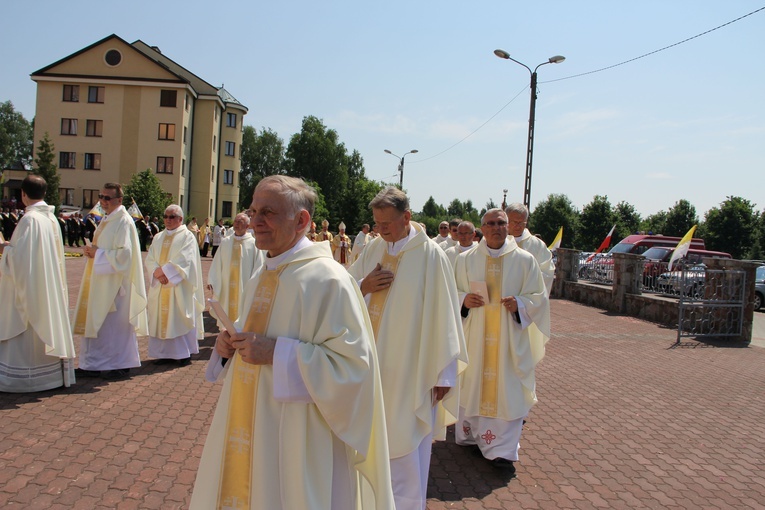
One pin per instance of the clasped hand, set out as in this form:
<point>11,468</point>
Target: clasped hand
<point>475,300</point>
<point>90,250</point>
<point>160,276</point>
<point>254,349</point>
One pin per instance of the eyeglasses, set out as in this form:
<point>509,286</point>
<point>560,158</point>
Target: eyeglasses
<point>106,197</point>
<point>521,222</point>
<point>443,228</point>
<point>170,216</point>
<point>498,223</point>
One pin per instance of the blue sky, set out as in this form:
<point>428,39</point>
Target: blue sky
<point>684,123</point>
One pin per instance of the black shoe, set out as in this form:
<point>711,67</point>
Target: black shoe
<point>80,372</point>
<point>162,361</point>
<point>183,362</point>
<point>113,375</point>
<point>504,464</point>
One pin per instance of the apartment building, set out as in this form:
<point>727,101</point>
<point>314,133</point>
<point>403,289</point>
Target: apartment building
<point>114,109</point>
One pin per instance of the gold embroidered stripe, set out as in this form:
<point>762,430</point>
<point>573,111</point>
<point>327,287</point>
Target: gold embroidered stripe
<point>233,280</point>
<point>492,335</point>
<point>235,481</point>
<point>379,299</point>
<point>165,291</point>
<point>81,315</point>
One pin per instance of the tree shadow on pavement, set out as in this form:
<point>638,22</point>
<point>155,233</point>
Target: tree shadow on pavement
<point>460,472</point>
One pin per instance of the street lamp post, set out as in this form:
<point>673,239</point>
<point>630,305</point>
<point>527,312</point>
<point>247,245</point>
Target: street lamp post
<point>401,165</point>
<point>557,59</point>
<point>504,199</point>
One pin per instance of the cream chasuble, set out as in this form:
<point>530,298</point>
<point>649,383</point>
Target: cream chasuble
<point>116,235</point>
<point>263,453</point>
<point>419,335</point>
<point>234,264</point>
<point>33,283</point>
<point>500,381</point>
<point>174,310</point>
<point>544,257</point>
<point>341,249</point>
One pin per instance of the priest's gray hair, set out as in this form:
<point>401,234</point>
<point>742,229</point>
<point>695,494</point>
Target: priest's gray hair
<point>517,207</point>
<point>492,211</point>
<point>468,224</point>
<point>299,195</point>
<point>390,196</point>
<point>175,209</point>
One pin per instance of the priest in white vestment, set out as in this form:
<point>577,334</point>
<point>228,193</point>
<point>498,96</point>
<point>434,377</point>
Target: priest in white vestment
<point>452,239</point>
<point>443,232</point>
<point>341,246</point>
<point>111,306</point>
<point>361,240</point>
<point>36,347</point>
<point>517,218</point>
<point>176,294</point>
<point>233,265</point>
<point>300,423</point>
<point>414,309</point>
<point>465,242</point>
<point>507,326</point>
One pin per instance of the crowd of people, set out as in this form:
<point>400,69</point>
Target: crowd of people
<point>360,353</point>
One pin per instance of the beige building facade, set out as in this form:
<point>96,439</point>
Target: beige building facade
<point>114,109</point>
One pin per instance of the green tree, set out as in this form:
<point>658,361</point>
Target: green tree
<point>16,137</point>
<point>597,218</point>
<point>553,213</point>
<point>627,220</point>
<point>146,189</point>
<point>358,193</point>
<point>433,210</point>
<point>680,218</point>
<point>758,246</point>
<point>655,223</point>
<point>317,155</point>
<point>731,227</point>
<point>46,168</point>
<point>262,155</point>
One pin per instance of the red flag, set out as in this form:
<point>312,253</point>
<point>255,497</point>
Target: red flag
<point>605,244</point>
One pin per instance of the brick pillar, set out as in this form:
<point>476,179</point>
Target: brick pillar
<point>566,265</point>
<point>628,273</point>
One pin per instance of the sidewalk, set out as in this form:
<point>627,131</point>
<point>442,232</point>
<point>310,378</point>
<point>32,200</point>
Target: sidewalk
<point>624,420</point>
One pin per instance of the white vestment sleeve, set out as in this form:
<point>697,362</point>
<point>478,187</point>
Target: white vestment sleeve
<point>523,314</point>
<point>101,264</point>
<point>173,276</point>
<point>5,266</point>
<point>288,383</point>
<point>215,369</point>
<point>448,376</point>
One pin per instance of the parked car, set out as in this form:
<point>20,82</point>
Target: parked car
<point>640,243</point>
<point>688,281</point>
<point>657,262</point>
<point>759,287</point>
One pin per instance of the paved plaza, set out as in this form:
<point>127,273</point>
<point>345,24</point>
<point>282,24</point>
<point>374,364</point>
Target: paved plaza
<point>626,419</point>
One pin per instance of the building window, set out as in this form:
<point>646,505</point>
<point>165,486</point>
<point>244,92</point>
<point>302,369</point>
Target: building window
<point>89,197</point>
<point>231,120</point>
<point>212,174</point>
<point>168,98</point>
<point>226,209</point>
<point>183,167</point>
<point>66,195</point>
<point>164,165</point>
<point>187,102</point>
<point>113,58</point>
<point>228,177</point>
<point>167,131</point>
<point>230,149</point>
<point>94,128</point>
<point>215,142</point>
<point>96,94</point>
<point>181,202</point>
<point>69,127</point>
<point>72,93</point>
<point>92,161</point>
<point>185,130</point>
<point>211,207</point>
<point>67,159</point>
<point>216,114</point>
